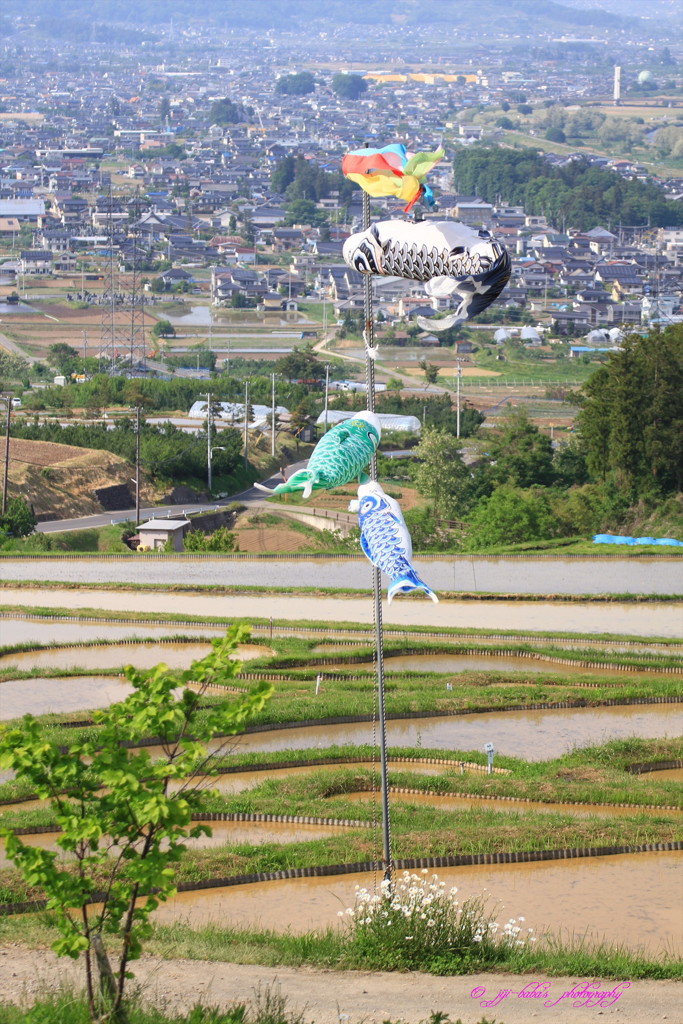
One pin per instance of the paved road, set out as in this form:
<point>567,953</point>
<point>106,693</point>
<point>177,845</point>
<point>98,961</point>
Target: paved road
<point>14,349</point>
<point>249,496</point>
<point>481,575</point>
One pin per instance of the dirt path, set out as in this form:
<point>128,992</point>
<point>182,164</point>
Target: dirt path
<point>331,997</point>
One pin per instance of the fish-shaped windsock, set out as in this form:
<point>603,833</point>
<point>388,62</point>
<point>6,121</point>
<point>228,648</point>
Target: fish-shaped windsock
<point>341,455</point>
<point>385,540</point>
<point>449,257</point>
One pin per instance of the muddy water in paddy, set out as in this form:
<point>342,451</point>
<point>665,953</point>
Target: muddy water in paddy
<point>473,663</point>
<point>642,619</point>
<point>255,833</point>
<point>666,773</point>
<point>24,631</point>
<point>237,782</point>
<point>532,735</point>
<point>634,900</point>
<point>41,696</point>
<point>455,803</point>
<point>141,655</point>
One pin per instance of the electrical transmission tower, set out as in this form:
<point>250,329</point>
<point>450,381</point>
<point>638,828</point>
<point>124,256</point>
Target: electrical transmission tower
<point>122,324</point>
<point>110,332</point>
<point>136,345</point>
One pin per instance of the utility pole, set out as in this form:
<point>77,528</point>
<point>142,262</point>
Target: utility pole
<point>138,410</point>
<point>8,402</point>
<point>272,415</point>
<point>457,400</point>
<point>327,391</point>
<point>246,423</point>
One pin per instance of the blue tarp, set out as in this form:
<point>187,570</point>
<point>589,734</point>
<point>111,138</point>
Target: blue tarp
<point>608,538</point>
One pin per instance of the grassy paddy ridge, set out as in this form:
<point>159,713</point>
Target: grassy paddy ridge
<point>590,775</point>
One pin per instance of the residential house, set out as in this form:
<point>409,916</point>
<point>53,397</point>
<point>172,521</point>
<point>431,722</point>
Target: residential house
<point>36,261</point>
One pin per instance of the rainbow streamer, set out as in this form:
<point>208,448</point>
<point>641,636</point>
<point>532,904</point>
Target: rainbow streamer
<point>392,171</point>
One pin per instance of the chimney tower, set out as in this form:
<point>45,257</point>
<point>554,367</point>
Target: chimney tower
<point>617,85</point>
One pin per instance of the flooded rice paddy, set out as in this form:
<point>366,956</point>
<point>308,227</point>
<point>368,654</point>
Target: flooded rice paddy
<point>666,773</point>
<point>175,655</point>
<point>254,833</point>
<point>42,696</point>
<point>611,575</point>
<point>27,631</point>
<point>237,782</point>
<point>634,900</point>
<point>529,735</point>
<point>474,663</point>
<point>643,619</point>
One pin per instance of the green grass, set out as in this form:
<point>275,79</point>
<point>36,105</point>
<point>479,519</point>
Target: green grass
<point>335,950</point>
<point>67,1006</point>
<point>103,540</point>
<point>526,371</point>
<point>597,774</point>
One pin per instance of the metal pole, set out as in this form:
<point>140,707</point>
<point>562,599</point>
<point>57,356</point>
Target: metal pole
<point>327,391</point>
<point>5,478</point>
<point>208,438</point>
<point>272,415</point>
<point>246,423</point>
<point>138,410</point>
<point>457,413</point>
<point>376,574</point>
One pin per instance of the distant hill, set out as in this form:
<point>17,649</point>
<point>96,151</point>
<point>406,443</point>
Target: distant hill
<point>524,17</point>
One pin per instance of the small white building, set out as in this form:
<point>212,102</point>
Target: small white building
<point>155,533</point>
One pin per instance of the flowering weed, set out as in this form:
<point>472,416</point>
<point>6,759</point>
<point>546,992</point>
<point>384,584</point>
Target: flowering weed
<point>415,922</point>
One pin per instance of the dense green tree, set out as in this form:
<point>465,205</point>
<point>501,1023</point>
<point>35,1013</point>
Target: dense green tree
<point>299,84</point>
<point>569,463</point>
<point>441,475</point>
<point>303,211</point>
<point>510,516</point>
<point>18,520</point>
<point>430,370</point>
<point>300,364</point>
<point>578,194</point>
<point>520,453</point>
<point>225,112</point>
<point>62,356</point>
<point>632,417</point>
<point>299,178</point>
<point>173,150</point>
<point>163,329</point>
<point>349,87</point>
<point>13,368</point>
